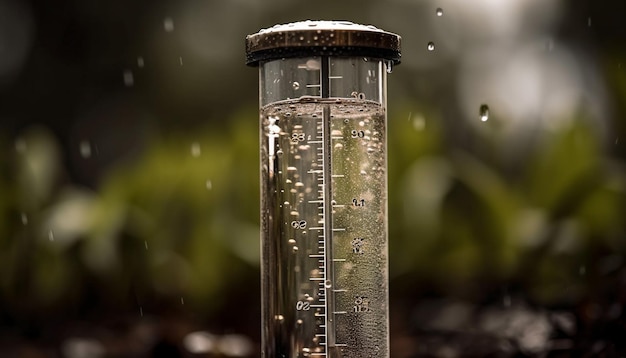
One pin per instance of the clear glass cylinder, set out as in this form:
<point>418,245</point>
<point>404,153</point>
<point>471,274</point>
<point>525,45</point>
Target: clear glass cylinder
<point>324,262</point>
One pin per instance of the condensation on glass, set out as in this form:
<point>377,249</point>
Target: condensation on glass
<point>324,276</point>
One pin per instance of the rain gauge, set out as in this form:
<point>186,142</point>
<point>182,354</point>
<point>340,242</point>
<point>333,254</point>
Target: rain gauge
<point>323,110</point>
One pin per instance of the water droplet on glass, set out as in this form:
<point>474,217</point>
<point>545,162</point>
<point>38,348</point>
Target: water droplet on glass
<point>279,317</point>
<point>129,79</point>
<point>168,24</point>
<point>439,11</point>
<point>389,66</point>
<point>209,185</point>
<point>195,149</point>
<point>295,249</point>
<point>24,219</point>
<point>299,321</point>
<point>50,235</point>
<point>85,149</point>
<point>484,112</point>
<point>328,284</point>
<point>431,46</point>
<point>296,85</point>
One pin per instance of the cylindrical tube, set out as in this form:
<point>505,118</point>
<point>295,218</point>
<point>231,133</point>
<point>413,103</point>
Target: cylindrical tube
<point>324,193</point>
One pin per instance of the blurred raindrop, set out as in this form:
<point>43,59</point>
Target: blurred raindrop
<point>24,219</point>
<point>140,62</point>
<point>168,24</point>
<point>235,345</point>
<point>182,301</point>
<point>589,21</point>
<point>484,112</point>
<point>129,79</point>
<point>195,149</point>
<point>20,145</point>
<point>180,60</point>
<point>431,46</point>
<point>82,348</point>
<point>582,270</point>
<point>439,11</point>
<point>418,121</point>
<point>209,185</point>
<point>85,149</point>
<point>141,311</point>
<point>50,235</point>
<point>145,244</point>
<point>199,342</point>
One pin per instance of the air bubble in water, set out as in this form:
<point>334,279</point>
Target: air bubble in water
<point>431,46</point>
<point>328,284</point>
<point>129,79</point>
<point>168,24</point>
<point>195,149</point>
<point>295,85</point>
<point>484,112</point>
<point>439,11</point>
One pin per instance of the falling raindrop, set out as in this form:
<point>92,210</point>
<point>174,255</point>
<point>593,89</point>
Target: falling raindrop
<point>582,270</point>
<point>209,185</point>
<point>24,219</point>
<point>140,62</point>
<point>589,21</point>
<point>168,24</point>
<point>431,46</point>
<point>141,311</point>
<point>180,60</point>
<point>439,11</point>
<point>146,244</point>
<point>195,149</point>
<point>50,235</point>
<point>182,301</point>
<point>484,112</point>
<point>85,149</point>
<point>129,79</point>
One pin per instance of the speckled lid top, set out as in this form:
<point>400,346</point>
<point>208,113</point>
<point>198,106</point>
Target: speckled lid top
<point>321,38</point>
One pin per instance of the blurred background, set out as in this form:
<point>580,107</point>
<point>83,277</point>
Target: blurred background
<point>129,220</point>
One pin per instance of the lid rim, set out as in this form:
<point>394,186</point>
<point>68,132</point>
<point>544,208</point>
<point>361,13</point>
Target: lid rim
<point>321,38</point>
